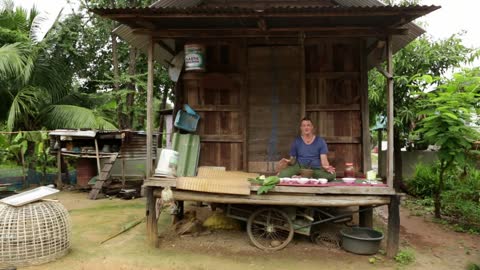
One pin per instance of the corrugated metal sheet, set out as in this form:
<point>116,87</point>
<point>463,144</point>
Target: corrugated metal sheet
<point>141,42</point>
<point>188,148</point>
<point>359,3</point>
<point>267,3</point>
<point>338,10</point>
<point>74,133</point>
<point>175,3</point>
<point>134,146</point>
<point>398,42</point>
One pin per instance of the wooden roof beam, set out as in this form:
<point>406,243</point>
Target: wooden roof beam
<point>310,32</point>
<point>164,46</point>
<point>386,74</point>
<point>379,44</point>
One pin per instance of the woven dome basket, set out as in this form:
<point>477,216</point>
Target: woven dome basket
<point>32,234</point>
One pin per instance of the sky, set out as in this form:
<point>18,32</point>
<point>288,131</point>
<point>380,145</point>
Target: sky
<point>453,17</point>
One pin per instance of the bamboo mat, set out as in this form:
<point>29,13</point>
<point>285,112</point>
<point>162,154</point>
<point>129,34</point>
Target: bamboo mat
<point>217,180</point>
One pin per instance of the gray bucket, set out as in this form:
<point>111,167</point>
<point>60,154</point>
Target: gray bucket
<point>361,240</point>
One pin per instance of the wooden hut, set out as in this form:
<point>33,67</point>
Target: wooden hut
<point>115,154</point>
<point>269,63</point>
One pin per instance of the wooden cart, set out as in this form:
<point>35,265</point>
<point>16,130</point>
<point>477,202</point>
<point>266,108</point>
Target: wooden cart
<point>272,228</point>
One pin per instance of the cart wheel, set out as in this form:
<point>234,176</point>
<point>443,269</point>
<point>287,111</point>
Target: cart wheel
<point>270,229</point>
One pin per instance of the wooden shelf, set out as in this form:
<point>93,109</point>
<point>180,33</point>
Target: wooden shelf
<point>86,155</point>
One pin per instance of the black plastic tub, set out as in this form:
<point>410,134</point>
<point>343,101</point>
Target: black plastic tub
<point>360,240</point>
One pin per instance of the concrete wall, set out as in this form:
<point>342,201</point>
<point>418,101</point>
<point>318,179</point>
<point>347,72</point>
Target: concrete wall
<point>134,169</point>
<point>410,159</point>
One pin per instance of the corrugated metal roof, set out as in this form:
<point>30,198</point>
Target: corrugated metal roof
<point>359,3</point>
<point>141,42</point>
<point>276,17</point>
<point>74,133</point>
<point>398,42</point>
<point>175,3</point>
<point>344,7</point>
<point>314,10</point>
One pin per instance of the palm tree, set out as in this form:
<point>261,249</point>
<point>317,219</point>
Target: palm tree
<point>35,85</point>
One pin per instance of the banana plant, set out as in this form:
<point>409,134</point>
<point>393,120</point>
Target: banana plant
<point>42,157</point>
<point>18,147</point>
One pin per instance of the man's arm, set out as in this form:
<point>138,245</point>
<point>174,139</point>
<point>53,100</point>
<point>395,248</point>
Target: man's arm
<point>326,164</point>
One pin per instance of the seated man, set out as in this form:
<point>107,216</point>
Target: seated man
<point>307,151</point>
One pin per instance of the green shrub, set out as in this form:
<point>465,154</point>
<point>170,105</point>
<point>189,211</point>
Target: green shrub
<point>4,143</point>
<point>462,202</point>
<point>473,266</point>
<point>425,180</point>
<point>460,199</point>
<point>405,256</point>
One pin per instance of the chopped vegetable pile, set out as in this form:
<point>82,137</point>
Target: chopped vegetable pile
<point>267,183</point>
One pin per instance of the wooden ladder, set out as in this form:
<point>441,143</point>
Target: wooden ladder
<point>102,177</point>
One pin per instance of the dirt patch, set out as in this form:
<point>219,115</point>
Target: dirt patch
<point>93,221</point>
<point>442,245</point>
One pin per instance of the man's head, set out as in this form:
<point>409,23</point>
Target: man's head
<point>306,126</point>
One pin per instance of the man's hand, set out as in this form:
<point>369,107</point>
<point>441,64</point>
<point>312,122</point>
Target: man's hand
<point>284,162</point>
<point>329,169</point>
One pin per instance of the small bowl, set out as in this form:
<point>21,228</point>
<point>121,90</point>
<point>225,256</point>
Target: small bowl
<point>302,180</point>
<point>313,181</point>
<point>322,181</point>
<point>349,180</point>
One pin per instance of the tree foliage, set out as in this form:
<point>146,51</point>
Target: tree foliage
<point>422,57</point>
<point>37,74</point>
<point>448,113</point>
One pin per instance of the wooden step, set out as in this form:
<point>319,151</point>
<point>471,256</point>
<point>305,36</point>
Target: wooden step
<point>103,175</point>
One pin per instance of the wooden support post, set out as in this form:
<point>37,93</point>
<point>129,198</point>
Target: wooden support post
<point>152,229</point>
<point>244,106</point>
<point>393,234</point>
<point>303,88</point>
<point>148,167</point>
<point>97,157</point>
<point>123,172</point>
<point>59,165</point>
<point>366,217</point>
<point>390,116</point>
<point>366,151</point>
